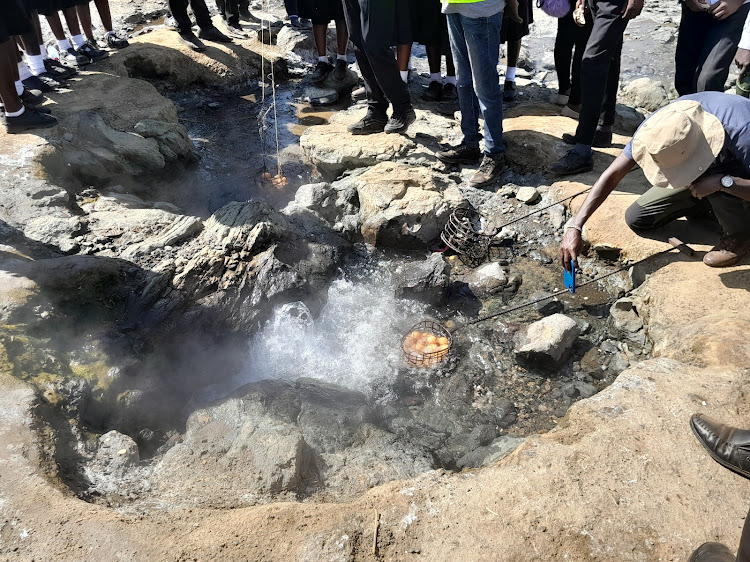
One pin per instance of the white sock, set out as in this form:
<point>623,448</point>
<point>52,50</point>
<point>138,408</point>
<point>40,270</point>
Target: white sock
<point>77,40</point>
<point>19,87</point>
<point>435,77</point>
<point>109,33</point>
<point>64,44</point>
<point>510,74</point>
<point>341,57</point>
<point>323,59</point>
<point>36,64</point>
<point>404,76</point>
<point>15,113</point>
<point>23,71</point>
<point>450,80</point>
<point>43,50</point>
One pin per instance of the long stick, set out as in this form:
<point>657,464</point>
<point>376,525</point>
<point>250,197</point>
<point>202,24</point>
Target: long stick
<point>375,534</point>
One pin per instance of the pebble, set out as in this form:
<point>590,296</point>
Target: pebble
<point>527,194</point>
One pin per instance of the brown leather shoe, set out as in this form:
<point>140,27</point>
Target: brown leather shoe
<point>712,552</point>
<point>488,171</point>
<point>727,445</point>
<point>729,251</point>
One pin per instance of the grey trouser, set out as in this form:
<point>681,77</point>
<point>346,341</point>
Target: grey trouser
<point>659,206</point>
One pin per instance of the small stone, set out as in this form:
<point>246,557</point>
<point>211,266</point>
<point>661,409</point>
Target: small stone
<point>122,452</point>
<point>214,105</point>
<point>68,137</point>
<point>527,194</point>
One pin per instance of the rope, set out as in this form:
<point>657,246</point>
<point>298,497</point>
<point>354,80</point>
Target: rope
<point>535,211</point>
<point>264,6</point>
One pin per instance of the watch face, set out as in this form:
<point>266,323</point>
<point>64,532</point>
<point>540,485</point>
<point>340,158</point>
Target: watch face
<point>727,182</point>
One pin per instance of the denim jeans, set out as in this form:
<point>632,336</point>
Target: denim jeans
<point>475,44</point>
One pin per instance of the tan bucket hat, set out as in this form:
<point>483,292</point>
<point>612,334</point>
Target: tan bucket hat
<point>677,144</point>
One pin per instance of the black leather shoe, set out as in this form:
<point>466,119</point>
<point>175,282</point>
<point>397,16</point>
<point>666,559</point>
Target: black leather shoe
<point>602,139</point>
<point>213,34</point>
<point>712,552</point>
<point>31,98</point>
<point>368,125</point>
<point>727,445</point>
<point>433,92</point>
<point>572,163</point>
<point>399,122</point>
<point>461,154</point>
<point>509,91</point>
<point>29,119</point>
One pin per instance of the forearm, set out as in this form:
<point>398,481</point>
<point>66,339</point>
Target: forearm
<point>741,189</point>
<point>606,183</point>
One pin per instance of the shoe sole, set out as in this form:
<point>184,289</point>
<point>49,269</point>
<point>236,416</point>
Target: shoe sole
<point>16,130</point>
<point>571,172</point>
<point>713,455</point>
<point>572,142</point>
<point>361,132</point>
<point>400,129</point>
<point>468,161</point>
<point>490,181</point>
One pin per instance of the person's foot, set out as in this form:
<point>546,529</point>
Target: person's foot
<point>602,139</point>
<point>572,111</point>
<point>38,83</point>
<point>31,97</point>
<point>399,122</point>
<point>339,71</point>
<point>45,110</point>
<point>191,41</point>
<point>563,97</point>
<point>56,74</point>
<point>728,252</point>
<point>65,71</point>
<point>305,23</point>
<point>433,92</point>
<point>213,34</point>
<point>368,125</point>
<point>729,446</point>
<point>509,91</point>
<point>114,41</point>
<point>359,93</point>
<point>449,100</point>
<point>488,171</point>
<point>92,52</point>
<point>322,69</point>
<point>246,15</point>
<point>461,154</point>
<point>572,163</point>
<point>712,552</point>
<point>296,23</point>
<point>29,119</point>
<point>74,58</point>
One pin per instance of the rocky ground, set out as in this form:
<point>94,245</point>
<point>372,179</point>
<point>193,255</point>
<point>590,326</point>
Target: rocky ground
<point>142,250</point>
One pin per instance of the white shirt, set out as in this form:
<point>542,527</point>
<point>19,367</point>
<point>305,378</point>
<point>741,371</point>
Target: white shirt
<point>745,39</point>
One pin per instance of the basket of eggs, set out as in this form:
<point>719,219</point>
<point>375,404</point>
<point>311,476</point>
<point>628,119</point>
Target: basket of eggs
<point>427,344</point>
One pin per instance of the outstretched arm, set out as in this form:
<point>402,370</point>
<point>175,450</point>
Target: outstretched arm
<point>572,242</point>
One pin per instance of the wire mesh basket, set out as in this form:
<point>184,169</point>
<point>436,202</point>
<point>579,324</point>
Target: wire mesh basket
<point>463,234</point>
<point>427,344</point>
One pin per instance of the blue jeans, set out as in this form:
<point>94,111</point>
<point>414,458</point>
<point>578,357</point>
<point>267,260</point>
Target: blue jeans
<point>475,44</point>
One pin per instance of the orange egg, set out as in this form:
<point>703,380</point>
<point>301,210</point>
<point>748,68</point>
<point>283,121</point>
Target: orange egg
<point>431,339</point>
<point>443,341</point>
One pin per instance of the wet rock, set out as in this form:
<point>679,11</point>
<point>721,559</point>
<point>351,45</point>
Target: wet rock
<point>426,281</point>
<point>490,454</point>
<point>174,141</point>
<point>556,216</point>
<point>527,194</point>
<point>625,316</point>
<point>646,93</point>
<point>181,229</point>
<point>548,342</point>
<point>504,412</point>
<point>487,279</point>
<point>319,206</point>
<point>320,95</point>
<point>116,453</point>
<point>548,306</point>
<point>402,206</point>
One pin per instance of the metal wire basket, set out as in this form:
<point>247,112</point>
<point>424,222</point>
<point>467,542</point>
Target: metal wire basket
<point>463,234</point>
<point>427,344</point>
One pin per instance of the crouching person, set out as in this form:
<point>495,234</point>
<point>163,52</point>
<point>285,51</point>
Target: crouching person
<point>694,151</point>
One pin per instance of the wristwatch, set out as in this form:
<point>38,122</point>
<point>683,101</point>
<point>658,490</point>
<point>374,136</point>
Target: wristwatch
<point>727,182</point>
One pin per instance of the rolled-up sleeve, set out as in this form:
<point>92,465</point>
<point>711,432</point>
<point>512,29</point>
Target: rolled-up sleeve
<point>745,39</point>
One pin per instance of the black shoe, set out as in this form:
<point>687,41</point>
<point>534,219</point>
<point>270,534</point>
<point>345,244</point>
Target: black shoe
<point>63,70</point>
<point>433,92</point>
<point>602,139</point>
<point>461,154</point>
<point>37,83</point>
<point>247,16</point>
<point>116,42</point>
<point>45,110</point>
<point>58,74</point>
<point>449,104</point>
<point>399,122</point>
<point>572,163</point>
<point>213,34</point>
<point>30,98</point>
<point>509,91</point>
<point>322,69</point>
<point>305,23</point>
<point>727,445</point>
<point>712,552</point>
<point>488,171</point>
<point>92,52</point>
<point>73,57</point>
<point>339,71</point>
<point>29,119</point>
<point>368,125</point>
<point>190,40</point>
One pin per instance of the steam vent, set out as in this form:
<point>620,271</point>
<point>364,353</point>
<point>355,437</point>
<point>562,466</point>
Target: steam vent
<point>232,330</point>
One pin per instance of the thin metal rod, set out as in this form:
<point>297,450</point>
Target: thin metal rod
<point>535,211</point>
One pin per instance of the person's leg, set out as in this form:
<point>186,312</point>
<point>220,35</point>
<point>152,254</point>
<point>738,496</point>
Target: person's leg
<point>105,14</point>
<point>564,42</point>
<point>690,39</point>
<point>8,76</point>
<point>342,37</point>
<point>71,19</point>
<point>607,118</point>
<point>467,99</point>
<point>731,212</point>
<point>56,27</point>
<point>718,52</point>
<point>582,35</point>
<point>202,15</point>
<point>434,60</point>
<point>178,9</point>
<point>320,34</point>
<point>403,56</point>
<point>291,8</point>
<point>513,51</point>
<point>84,16</point>
<point>659,206</point>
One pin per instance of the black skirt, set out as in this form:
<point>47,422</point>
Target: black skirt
<point>512,31</point>
<point>429,24</point>
<point>403,26</point>
<point>51,7</point>
<point>321,12</point>
<point>14,19</point>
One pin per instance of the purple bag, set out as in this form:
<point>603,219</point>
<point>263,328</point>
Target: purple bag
<point>554,8</point>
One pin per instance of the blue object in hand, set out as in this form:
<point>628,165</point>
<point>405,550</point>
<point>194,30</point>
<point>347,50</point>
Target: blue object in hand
<point>569,278</point>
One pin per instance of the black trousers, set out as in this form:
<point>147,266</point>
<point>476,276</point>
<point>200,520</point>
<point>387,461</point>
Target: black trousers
<point>571,36</point>
<point>706,49</point>
<point>370,24</point>
<point>600,68</point>
<point>230,10</point>
<point>178,8</point>
<point>291,7</point>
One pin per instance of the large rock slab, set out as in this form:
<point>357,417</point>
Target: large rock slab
<point>548,341</point>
